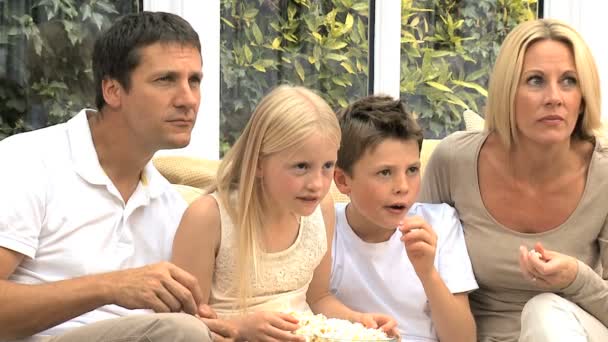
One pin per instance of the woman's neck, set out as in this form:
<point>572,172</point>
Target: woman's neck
<point>541,164</point>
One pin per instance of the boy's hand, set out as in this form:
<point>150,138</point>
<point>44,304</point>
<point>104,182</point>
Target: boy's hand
<point>379,321</point>
<point>420,243</point>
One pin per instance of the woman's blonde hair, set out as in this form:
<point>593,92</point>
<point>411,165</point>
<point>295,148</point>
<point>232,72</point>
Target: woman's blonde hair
<point>282,120</point>
<point>500,114</point>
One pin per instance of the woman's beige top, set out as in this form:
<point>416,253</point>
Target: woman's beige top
<point>283,276</point>
<point>451,177</point>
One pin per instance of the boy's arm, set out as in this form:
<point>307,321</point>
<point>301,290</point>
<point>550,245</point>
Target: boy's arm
<point>450,312</point>
<point>321,300</point>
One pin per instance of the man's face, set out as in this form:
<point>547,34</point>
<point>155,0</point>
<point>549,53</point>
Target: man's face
<point>161,105</point>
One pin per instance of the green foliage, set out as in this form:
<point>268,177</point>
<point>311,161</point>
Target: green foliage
<point>447,49</point>
<point>447,46</point>
<point>322,45</point>
<point>48,76</point>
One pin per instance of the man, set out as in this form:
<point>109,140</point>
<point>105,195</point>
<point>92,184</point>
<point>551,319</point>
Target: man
<point>86,221</point>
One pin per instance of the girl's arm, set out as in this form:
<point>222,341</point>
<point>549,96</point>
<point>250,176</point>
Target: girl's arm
<point>197,242</point>
<point>322,301</point>
<point>318,296</point>
<point>195,248</point>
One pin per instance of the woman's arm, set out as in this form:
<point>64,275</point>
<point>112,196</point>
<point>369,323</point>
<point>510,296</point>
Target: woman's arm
<point>589,289</point>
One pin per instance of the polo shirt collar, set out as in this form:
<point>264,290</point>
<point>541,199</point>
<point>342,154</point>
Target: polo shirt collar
<point>86,162</point>
<point>153,181</point>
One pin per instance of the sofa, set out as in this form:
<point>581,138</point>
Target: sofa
<point>192,175</point>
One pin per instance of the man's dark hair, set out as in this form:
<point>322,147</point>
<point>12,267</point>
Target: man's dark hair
<point>116,51</point>
<point>369,121</point>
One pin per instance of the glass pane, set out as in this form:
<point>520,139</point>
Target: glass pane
<point>321,44</point>
<point>448,48</point>
<point>45,58</point>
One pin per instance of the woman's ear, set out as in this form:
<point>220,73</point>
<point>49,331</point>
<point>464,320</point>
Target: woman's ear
<point>342,181</point>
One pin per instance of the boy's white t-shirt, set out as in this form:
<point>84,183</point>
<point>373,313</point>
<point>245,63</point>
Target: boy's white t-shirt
<point>379,277</point>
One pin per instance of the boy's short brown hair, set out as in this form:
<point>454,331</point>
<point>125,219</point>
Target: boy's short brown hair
<point>369,121</point>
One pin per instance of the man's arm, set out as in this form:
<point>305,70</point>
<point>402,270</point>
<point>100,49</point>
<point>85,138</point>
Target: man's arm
<point>29,309</point>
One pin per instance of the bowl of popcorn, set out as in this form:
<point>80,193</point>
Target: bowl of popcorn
<point>318,328</point>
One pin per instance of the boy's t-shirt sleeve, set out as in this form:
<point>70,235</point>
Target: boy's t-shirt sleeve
<point>454,264</point>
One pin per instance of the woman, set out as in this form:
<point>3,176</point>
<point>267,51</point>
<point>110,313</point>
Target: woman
<point>532,192</point>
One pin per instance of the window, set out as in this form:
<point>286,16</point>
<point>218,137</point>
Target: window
<point>322,45</point>
<point>45,58</point>
<point>447,50</point>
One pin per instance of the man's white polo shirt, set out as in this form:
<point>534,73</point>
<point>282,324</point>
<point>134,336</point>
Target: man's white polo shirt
<point>60,210</point>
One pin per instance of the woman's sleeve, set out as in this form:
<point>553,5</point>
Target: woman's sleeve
<point>436,181</point>
<point>589,289</point>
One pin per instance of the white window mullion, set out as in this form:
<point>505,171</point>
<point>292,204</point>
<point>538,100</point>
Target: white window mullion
<point>387,47</point>
<point>204,16</point>
<point>586,17</point>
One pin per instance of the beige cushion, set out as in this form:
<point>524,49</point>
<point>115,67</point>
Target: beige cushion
<point>189,193</point>
<point>337,195</point>
<point>473,121</point>
<point>196,172</point>
<point>428,145</point>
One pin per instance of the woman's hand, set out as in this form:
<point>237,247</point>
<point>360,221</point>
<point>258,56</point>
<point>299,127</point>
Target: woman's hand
<point>547,269</point>
<point>420,243</point>
<point>378,321</point>
<point>268,326</point>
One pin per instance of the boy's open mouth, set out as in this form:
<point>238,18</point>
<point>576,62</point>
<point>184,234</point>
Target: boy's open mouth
<point>398,206</point>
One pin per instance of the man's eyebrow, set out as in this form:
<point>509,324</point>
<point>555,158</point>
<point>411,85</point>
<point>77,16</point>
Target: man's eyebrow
<point>198,74</point>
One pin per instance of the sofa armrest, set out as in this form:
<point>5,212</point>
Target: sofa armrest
<point>196,172</point>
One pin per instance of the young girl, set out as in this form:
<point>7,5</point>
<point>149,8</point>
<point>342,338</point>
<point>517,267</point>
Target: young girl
<point>260,244</point>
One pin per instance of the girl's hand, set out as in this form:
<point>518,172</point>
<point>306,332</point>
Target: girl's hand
<point>268,326</point>
<point>221,330</point>
<point>379,321</point>
<point>420,243</point>
<point>547,269</point>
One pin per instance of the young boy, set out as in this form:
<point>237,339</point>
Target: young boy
<point>390,254</point>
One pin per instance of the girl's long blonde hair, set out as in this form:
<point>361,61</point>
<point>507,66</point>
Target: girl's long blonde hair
<point>282,120</point>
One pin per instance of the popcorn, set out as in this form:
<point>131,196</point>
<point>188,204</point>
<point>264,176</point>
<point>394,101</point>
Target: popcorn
<point>319,328</point>
<point>535,253</point>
